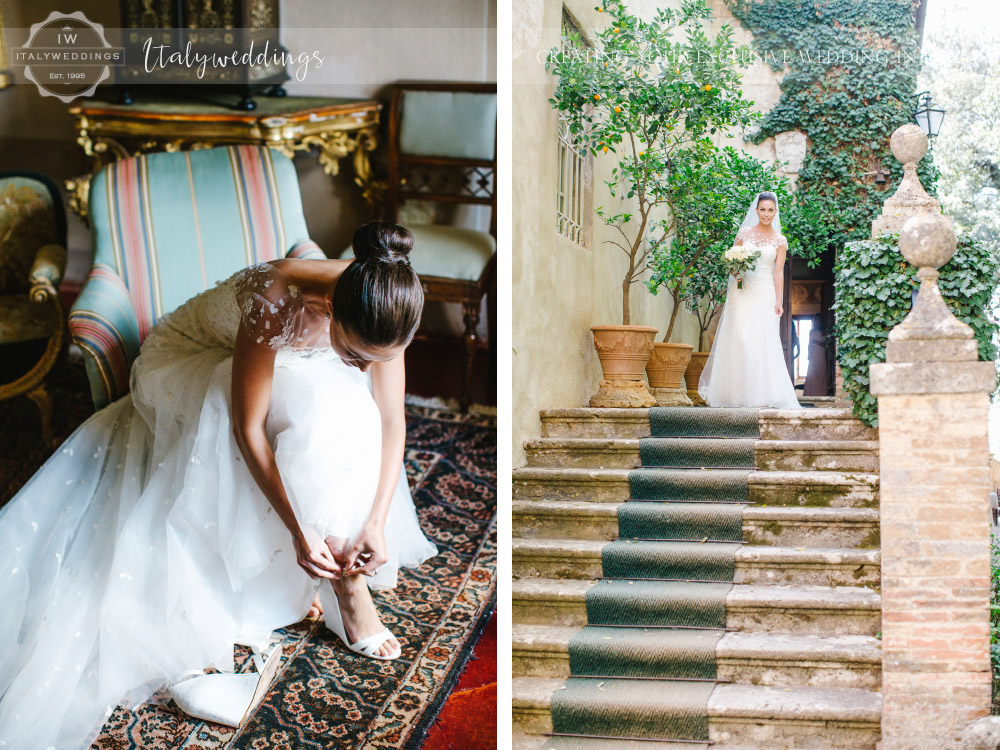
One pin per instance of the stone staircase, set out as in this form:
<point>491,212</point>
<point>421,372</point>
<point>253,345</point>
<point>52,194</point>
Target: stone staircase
<point>798,666</point>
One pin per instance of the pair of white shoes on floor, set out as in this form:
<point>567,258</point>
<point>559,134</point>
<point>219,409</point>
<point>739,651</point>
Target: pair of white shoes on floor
<point>230,699</point>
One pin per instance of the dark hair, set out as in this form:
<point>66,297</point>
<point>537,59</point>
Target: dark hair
<point>767,195</point>
<point>378,298</point>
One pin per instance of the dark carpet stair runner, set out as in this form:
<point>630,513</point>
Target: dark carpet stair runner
<point>644,666</point>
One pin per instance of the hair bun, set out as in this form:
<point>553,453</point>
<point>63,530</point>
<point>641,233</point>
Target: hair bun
<point>382,242</point>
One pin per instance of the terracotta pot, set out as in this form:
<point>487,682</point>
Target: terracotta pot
<point>623,350</point>
<point>693,372</point>
<point>667,364</point>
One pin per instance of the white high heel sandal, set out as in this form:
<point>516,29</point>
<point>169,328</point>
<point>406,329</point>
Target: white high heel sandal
<point>227,699</point>
<point>334,620</point>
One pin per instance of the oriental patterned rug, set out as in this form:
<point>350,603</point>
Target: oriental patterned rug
<point>325,696</point>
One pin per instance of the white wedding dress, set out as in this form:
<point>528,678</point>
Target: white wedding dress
<point>143,549</point>
<point>746,366</point>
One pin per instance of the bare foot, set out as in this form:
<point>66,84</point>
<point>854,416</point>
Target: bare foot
<point>359,613</point>
<point>315,609</point>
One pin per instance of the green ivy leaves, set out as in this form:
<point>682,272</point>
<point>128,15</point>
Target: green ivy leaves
<point>851,72</point>
<point>874,287</point>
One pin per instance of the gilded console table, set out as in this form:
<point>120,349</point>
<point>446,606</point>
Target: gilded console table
<point>337,128</point>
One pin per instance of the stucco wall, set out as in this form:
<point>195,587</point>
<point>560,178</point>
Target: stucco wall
<point>560,288</point>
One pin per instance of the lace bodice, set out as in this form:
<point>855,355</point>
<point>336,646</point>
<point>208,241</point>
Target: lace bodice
<point>271,308</point>
<point>768,248</point>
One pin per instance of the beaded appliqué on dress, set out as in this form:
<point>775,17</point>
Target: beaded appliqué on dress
<point>271,310</point>
<point>768,248</point>
<point>274,314</point>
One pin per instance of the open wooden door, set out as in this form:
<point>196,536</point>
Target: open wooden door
<point>785,324</point>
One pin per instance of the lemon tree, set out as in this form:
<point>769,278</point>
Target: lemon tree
<point>650,94</point>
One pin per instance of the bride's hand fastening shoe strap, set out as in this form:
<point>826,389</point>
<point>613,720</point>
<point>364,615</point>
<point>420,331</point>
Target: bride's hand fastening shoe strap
<point>368,551</point>
<point>381,644</point>
<point>313,555</point>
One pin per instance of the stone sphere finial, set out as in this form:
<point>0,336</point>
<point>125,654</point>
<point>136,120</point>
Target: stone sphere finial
<point>927,240</point>
<point>908,143</point>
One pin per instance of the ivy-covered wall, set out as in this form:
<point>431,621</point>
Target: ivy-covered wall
<point>874,292</point>
<point>850,69</point>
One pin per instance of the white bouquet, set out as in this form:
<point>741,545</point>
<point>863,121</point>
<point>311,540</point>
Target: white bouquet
<point>739,260</point>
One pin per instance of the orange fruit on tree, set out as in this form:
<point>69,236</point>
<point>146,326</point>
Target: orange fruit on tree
<point>618,109</point>
<point>597,97</point>
<point>708,87</point>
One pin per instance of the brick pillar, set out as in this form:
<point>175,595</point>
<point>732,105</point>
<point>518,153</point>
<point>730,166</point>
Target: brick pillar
<point>933,401</point>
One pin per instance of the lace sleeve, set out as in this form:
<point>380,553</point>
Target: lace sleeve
<point>270,308</point>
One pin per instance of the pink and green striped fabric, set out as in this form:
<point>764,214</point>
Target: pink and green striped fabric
<point>166,226</point>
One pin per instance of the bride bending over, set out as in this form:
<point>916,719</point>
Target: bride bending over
<point>257,456</point>
<point>747,365</point>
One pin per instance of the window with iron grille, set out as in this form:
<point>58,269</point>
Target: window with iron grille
<point>572,187</point>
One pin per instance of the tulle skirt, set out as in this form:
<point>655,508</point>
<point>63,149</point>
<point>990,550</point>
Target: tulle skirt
<point>143,549</point>
<point>746,367</point>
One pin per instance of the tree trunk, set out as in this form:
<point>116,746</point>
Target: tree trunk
<point>626,317</point>
<point>673,316</point>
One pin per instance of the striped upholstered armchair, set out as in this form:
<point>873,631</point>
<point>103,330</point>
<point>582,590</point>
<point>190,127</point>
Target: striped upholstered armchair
<point>167,226</point>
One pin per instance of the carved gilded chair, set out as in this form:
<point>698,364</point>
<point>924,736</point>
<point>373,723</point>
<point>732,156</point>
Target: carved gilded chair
<point>442,150</point>
<point>32,263</point>
<point>166,226</point>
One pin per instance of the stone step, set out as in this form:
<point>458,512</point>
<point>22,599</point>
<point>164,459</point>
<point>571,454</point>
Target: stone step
<point>793,566</point>
<point>587,422</point>
<point>788,526</point>
<point>816,455</point>
<point>811,488</point>
<point>775,424</point>
<point>751,716</point>
<point>806,526</point>
<point>598,453</point>
<point>522,741</point>
<point>813,424</point>
<point>777,455</point>
<point>818,610</point>
<point>742,658</point>
<point>821,402</point>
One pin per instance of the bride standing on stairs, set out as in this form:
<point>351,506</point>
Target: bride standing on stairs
<point>746,366</point>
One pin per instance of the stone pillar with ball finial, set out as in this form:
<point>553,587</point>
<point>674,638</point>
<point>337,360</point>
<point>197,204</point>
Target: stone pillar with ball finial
<point>934,484</point>
<point>909,144</point>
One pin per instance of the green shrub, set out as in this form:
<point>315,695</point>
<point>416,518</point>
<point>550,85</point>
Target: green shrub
<point>874,291</point>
